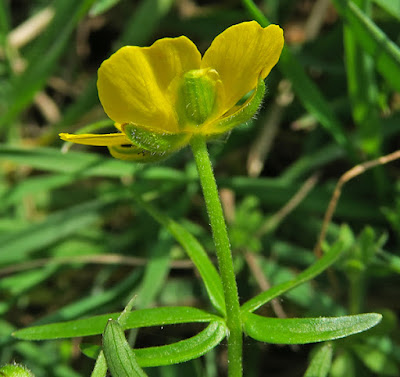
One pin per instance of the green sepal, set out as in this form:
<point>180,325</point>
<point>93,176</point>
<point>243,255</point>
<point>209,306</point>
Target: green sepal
<point>121,359</point>
<point>136,154</point>
<point>240,114</point>
<point>159,143</point>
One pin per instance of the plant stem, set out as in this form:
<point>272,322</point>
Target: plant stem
<point>224,255</point>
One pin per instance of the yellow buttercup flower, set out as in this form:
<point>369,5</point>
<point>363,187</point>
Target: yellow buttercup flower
<point>162,95</point>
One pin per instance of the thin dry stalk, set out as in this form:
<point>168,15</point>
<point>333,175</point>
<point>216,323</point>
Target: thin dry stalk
<point>316,19</point>
<point>290,206</point>
<point>347,176</point>
<point>93,259</point>
<point>31,28</point>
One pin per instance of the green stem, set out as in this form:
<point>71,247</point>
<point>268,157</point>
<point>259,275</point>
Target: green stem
<point>224,255</point>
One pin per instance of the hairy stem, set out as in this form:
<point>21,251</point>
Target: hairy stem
<point>224,255</point>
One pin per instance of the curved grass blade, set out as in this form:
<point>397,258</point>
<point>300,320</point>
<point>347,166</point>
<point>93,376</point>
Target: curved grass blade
<point>197,254</point>
<point>309,94</point>
<point>79,163</point>
<point>22,242</point>
<point>390,6</point>
<point>95,325</point>
<point>306,330</point>
<point>386,54</point>
<point>49,49</point>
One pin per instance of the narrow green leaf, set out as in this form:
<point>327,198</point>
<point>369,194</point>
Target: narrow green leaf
<point>310,162</point>
<point>18,244</point>
<point>309,94</point>
<point>184,350</point>
<point>312,99</point>
<point>120,357</point>
<point>95,325</point>
<point>100,368</point>
<point>156,271</point>
<point>306,330</point>
<point>82,164</point>
<point>319,266</point>
<point>363,92</point>
<point>376,360</point>
<point>144,21</point>
<point>343,365</point>
<point>390,6</point>
<point>102,6</point>
<point>91,302</point>
<point>79,163</point>
<point>49,49</point>
<point>321,362</point>
<point>14,193</point>
<point>197,254</point>
<point>374,41</point>
<point>179,352</point>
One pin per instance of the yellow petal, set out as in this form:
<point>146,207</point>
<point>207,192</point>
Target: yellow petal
<point>96,139</point>
<point>133,83</point>
<point>241,55</point>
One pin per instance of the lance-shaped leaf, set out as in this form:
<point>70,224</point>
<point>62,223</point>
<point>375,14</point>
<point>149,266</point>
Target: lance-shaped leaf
<point>100,368</point>
<point>321,362</point>
<point>184,350</point>
<point>319,266</point>
<point>178,352</point>
<point>121,359</point>
<point>95,325</point>
<point>306,330</point>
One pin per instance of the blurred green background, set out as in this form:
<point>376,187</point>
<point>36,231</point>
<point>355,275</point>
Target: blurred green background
<point>73,242</point>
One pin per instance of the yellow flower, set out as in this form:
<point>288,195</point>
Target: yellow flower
<point>162,95</point>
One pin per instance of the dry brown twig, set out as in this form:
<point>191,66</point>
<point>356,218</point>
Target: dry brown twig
<point>347,176</point>
<point>93,259</point>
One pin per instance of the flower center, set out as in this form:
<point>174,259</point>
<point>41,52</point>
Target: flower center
<point>197,96</point>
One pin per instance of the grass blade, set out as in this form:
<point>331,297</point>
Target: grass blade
<point>373,40</point>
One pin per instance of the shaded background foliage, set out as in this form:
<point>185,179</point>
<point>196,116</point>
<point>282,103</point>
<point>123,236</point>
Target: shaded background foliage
<point>73,243</point>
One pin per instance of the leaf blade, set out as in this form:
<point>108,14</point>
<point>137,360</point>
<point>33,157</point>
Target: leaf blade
<point>306,330</point>
<point>315,269</point>
<point>95,325</point>
<point>121,359</point>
